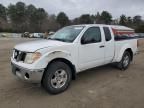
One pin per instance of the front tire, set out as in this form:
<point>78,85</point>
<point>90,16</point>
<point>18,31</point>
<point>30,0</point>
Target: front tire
<point>125,62</point>
<point>57,77</point>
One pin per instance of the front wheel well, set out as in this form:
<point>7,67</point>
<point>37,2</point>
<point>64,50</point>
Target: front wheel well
<point>130,52</point>
<point>72,67</point>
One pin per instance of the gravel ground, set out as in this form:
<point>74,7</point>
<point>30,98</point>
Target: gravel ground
<point>102,87</point>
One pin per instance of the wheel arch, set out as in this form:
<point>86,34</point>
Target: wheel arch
<point>121,50</point>
<point>130,52</point>
<point>72,67</point>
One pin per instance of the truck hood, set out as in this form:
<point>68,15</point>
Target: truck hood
<point>35,45</point>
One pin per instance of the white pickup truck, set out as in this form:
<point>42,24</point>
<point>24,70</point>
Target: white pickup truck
<point>55,61</point>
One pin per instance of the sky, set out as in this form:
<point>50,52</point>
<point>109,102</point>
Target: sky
<point>74,8</point>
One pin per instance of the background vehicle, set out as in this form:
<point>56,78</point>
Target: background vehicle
<point>55,62</point>
<point>140,35</point>
<point>37,35</point>
<point>25,35</point>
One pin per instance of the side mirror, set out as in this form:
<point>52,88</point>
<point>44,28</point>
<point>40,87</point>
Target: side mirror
<point>83,41</point>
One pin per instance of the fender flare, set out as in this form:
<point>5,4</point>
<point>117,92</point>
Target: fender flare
<point>59,54</point>
<point>48,57</point>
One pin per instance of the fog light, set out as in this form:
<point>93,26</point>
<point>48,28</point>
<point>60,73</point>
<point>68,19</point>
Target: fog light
<point>26,76</point>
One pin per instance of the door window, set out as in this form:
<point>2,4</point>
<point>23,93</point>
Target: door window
<point>92,35</point>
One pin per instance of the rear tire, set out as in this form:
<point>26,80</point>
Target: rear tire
<point>125,62</point>
<point>57,77</point>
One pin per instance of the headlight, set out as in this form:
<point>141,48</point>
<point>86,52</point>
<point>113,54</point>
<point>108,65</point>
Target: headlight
<point>32,57</point>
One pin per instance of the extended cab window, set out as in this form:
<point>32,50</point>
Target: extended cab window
<point>92,35</point>
<point>107,33</point>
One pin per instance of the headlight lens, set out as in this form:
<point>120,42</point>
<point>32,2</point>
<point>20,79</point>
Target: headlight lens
<point>32,57</point>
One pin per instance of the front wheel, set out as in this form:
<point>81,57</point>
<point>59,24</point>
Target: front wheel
<point>125,62</point>
<point>57,77</point>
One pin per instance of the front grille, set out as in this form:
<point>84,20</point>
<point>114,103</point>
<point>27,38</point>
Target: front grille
<point>19,55</point>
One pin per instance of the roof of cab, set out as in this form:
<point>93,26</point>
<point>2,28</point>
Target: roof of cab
<point>117,27</point>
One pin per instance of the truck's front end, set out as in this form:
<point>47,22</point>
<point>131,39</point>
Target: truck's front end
<point>23,66</point>
<point>51,62</point>
<point>29,60</point>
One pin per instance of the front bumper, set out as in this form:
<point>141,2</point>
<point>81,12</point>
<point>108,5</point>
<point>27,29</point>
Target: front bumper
<point>33,76</point>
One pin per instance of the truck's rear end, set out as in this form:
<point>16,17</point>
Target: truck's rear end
<point>125,39</point>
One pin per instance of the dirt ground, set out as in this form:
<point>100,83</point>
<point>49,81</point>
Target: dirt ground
<point>102,87</point>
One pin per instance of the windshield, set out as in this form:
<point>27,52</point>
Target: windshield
<point>67,34</point>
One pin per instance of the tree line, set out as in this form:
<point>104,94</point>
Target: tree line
<point>20,17</point>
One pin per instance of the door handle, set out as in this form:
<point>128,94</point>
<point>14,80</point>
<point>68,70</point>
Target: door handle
<point>102,46</point>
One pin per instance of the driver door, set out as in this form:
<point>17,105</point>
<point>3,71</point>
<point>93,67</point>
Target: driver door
<point>91,49</point>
